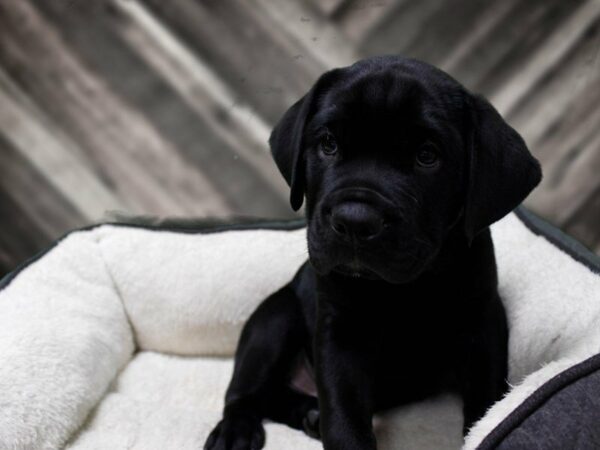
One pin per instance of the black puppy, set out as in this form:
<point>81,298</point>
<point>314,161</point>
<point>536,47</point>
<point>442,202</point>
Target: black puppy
<point>403,171</point>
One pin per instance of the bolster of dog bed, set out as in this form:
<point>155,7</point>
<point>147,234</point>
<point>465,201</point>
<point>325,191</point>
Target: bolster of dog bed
<point>64,335</point>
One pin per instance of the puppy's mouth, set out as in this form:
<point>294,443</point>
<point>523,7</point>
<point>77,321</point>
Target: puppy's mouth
<point>355,267</point>
<point>356,270</point>
<point>393,262</point>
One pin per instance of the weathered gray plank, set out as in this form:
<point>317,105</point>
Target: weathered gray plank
<point>444,35</point>
<point>242,51</point>
<point>32,212</point>
<point>398,29</point>
<point>358,18</point>
<point>575,124</point>
<point>236,124</point>
<point>51,153</point>
<point>195,114</point>
<point>562,121</point>
<point>585,223</point>
<point>328,7</point>
<point>146,172</point>
<point>487,23</point>
<point>316,35</point>
<point>556,46</point>
<point>574,185</point>
<point>47,211</point>
<point>19,241</point>
<point>513,36</point>
<point>558,93</point>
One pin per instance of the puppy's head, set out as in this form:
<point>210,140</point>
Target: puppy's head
<point>392,155</point>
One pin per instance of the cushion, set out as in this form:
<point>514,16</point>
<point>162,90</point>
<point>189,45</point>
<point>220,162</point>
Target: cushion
<point>122,336</point>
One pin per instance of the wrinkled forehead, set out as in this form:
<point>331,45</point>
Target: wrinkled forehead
<point>387,99</point>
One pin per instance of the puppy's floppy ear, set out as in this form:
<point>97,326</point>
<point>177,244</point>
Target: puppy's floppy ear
<point>501,170</point>
<point>287,140</point>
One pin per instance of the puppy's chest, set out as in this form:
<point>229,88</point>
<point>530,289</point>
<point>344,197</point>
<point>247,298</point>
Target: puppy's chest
<point>420,328</point>
<point>421,331</point>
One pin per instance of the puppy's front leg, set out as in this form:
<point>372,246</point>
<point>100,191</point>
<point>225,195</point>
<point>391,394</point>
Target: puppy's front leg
<point>486,362</point>
<point>343,361</point>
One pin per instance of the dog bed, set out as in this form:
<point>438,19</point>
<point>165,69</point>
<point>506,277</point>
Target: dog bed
<point>121,337</point>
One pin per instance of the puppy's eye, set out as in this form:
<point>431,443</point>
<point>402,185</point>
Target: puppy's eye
<point>328,144</point>
<point>427,156</point>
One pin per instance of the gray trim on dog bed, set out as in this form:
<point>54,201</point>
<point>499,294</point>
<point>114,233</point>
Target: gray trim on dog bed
<point>563,413</point>
<point>560,239</point>
<point>191,226</point>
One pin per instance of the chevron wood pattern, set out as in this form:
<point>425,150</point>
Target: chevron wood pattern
<point>164,108</point>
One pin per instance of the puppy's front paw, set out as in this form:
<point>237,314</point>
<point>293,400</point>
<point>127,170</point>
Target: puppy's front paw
<point>236,433</point>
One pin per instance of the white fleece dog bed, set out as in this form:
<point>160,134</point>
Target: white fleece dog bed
<point>121,337</point>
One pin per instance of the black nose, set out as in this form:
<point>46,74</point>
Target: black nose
<point>356,220</point>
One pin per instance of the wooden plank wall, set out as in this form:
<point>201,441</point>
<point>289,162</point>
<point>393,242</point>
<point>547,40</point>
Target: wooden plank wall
<point>164,108</point>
